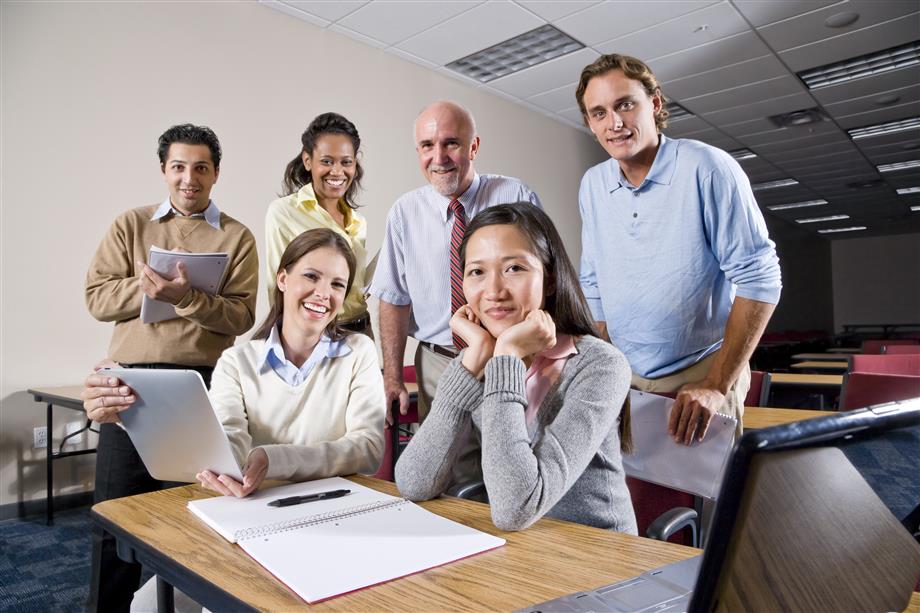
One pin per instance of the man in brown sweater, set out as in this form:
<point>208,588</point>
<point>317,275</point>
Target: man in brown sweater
<point>118,278</point>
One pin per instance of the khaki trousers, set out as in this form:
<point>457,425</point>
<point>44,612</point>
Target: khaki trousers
<point>734,399</point>
<point>429,366</point>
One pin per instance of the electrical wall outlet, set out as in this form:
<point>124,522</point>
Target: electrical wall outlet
<point>40,437</point>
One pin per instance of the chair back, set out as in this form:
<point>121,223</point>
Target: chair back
<point>875,345</point>
<point>755,397</point>
<point>650,501</point>
<point>901,349</point>
<point>398,435</point>
<point>886,364</point>
<point>861,389</point>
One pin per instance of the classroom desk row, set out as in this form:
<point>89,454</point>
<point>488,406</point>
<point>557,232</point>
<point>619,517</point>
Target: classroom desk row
<point>550,559</point>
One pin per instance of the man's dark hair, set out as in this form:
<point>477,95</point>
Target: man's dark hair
<point>189,134</point>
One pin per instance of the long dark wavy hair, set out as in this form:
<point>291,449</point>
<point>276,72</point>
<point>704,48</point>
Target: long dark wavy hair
<point>303,244</point>
<point>565,301</point>
<point>296,175</point>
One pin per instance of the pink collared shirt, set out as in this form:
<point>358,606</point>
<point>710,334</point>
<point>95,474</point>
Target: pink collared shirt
<point>544,371</point>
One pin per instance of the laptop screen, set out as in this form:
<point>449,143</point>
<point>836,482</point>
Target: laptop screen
<point>810,516</point>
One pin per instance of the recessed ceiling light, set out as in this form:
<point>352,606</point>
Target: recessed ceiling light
<point>742,154</point>
<point>676,111</point>
<point>862,66</point>
<point>850,229</point>
<point>828,218</point>
<point>891,127</point>
<point>515,54</point>
<point>796,205</point>
<point>908,190</point>
<point>773,184</point>
<point>896,166</point>
<point>915,208</point>
<point>841,20</point>
<point>887,99</point>
<point>797,118</point>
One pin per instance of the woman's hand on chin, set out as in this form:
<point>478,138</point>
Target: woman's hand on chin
<point>480,344</point>
<point>524,339</point>
<point>253,475</point>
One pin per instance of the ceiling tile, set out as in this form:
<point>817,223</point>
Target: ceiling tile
<point>763,108</point>
<point>747,128</point>
<point>880,115</point>
<point>863,104</point>
<point>809,28</point>
<point>685,126</point>
<point>717,139</point>
<point>609,20</point>
<point>867,86</point>
<point>486,25</point>
<point>328,10</point>
<point>697,28</point>
<point>858,42</point>
<point>294,12</point>
<point>546,76</point>
<point>815,133</point>
<point>745,94</point>
<point>730,50</point>
<point>393,21</point>
<point>889,157</point>
<point>712,81</point>
<point>763,12</point>
<point>795,150</point>
<point>573,114</point>
<point>552,10</point>
<point>415,59</point>
<point>367,40</point>
<point>557,99</point>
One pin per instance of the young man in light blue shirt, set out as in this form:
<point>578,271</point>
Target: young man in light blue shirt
<point>677,265</point>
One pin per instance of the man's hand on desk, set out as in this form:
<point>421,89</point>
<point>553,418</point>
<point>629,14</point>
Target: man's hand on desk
<point>695,405</point>
<point>160,288</point>
<point>104,396</point>
<point>253,474</point>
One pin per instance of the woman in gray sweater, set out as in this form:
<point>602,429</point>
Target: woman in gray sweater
<point>546,395</point>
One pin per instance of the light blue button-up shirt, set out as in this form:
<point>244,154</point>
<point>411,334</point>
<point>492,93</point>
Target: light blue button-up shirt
<point>414,262</point>
<point>210,214</point>
<point>273,357</point>
<point>662,262</point>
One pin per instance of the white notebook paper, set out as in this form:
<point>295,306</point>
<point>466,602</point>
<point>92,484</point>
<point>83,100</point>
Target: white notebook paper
<point>327,548</point>
<point>205,273</point>
<point>657,458</point>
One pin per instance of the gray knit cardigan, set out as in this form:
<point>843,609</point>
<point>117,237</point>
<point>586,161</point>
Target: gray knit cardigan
<point>572,469</point>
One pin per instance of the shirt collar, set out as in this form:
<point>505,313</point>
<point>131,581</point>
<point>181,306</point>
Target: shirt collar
<point>306,197</point>
<point>327,347</point>
<point>211,214</point>
<point>467,198</point>
<point>564,347</point>
<point>661,172</point>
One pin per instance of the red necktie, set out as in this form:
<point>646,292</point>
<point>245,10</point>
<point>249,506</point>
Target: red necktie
<point>456,266</point>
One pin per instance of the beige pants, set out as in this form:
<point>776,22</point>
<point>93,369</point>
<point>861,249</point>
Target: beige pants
<point>429,366</point>
<point>734,399</point>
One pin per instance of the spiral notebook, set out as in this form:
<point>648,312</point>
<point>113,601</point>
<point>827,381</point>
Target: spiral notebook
<point>205,272</point>
<point>331,547</point>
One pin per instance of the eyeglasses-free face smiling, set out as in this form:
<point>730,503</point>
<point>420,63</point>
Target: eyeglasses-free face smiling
<point>446,146</point>
<point>190,174</point>
<point>314,290</point>
<point>502,279</point>
<point>331,165</point>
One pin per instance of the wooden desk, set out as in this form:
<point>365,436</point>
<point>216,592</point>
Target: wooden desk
<point>69,397</point>
<point>818,357</point>
<point>825,366</point>
<point>550,559</point>
<point>785,378</point>
<point>764,417</point>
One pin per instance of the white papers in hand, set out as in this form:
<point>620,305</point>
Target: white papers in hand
<point>205,273</point>
<point>657,458</point>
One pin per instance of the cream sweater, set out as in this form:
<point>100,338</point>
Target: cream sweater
<point>331,424</point>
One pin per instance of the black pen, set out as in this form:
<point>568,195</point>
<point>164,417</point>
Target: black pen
<point>287,502</point>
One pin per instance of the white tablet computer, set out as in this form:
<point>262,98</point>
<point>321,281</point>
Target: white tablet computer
<point>173,425</point>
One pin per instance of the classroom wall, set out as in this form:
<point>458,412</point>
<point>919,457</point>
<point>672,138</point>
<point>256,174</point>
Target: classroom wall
<point>87,87</point>
<point>807,300</point>
<point>876,280</point>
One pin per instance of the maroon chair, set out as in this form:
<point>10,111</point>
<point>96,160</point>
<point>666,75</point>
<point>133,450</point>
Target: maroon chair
<point>876,345</point>
<point>755,396</point>
<point>901,350</point>
<point>398,435</point>
<point>862,389</point>
<point>886,364</point>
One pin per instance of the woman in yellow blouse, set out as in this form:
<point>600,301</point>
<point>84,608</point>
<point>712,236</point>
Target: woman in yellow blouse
<point>319,187</point>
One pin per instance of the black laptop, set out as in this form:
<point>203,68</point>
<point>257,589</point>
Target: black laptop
<point>820,514</point>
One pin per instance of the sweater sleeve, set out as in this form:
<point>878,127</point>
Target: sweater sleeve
<point>113,290</point>
<point>360,449</point>
<point>229,404</point>
<point>525,483</point>
<point>232,310</point>
<point>424,468</point>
